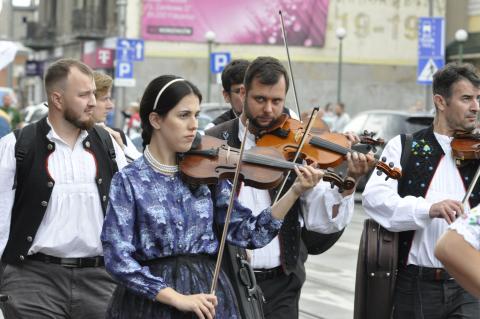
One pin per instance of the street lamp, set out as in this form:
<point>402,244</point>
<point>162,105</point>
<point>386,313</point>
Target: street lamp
<point>341,33</point>
<point>461,36</point>
<point>210,37</point>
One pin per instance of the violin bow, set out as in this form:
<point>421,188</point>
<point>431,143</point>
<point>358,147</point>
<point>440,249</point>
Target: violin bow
<point>284,33</point>
<point>297,153</point>
<point>471,186</point>
<point>314,113</point>
<point>228,215</point>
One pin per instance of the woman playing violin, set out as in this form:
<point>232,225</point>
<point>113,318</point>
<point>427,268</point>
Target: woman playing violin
<point>279,267</point>
<point>159,234</point>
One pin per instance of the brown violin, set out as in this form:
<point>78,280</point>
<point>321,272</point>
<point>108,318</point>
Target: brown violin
<point>466,146</point>
<point>327,149</point>
<point>261,167</point>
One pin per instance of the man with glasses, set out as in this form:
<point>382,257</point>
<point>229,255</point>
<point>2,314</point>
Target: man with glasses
<point>232,82</point>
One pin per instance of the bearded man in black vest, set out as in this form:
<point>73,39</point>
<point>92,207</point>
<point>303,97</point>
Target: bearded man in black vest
<point>279,267</point>
<point>55,177</point>
<point>427,198</point>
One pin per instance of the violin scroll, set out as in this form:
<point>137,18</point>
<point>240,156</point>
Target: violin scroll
<point>367,138</point>
<point>388,169</point>
<point>336,180</point>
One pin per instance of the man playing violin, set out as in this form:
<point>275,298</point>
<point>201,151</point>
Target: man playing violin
<point>427,198</point>
<point>279,266</point>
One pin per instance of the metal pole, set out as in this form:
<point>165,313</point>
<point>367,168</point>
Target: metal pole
<point>209,78</point>
<point>122,31</point>
<point>460,52</point>
<point>339,77</point>
<point>428,88</point>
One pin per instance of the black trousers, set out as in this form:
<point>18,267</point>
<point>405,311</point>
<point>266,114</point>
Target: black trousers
<point>417,297</point>
<point>282,294</point>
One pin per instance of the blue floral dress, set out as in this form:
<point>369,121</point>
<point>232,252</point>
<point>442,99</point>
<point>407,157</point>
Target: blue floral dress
<point>159,233</point>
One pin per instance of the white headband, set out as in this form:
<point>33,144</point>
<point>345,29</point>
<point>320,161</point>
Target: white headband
<point>163,89</point>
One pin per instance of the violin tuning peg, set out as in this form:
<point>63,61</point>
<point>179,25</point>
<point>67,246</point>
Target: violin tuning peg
<point>340,190</point>
<point>374,149</point>
<point>340,174</point>
<point>384,159</point>
<point>386,178</point>
<point>332,185</point>
<point>379,173</point>
<point>391,164</point>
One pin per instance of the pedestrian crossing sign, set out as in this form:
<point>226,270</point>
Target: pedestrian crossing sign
<point>426,70</point>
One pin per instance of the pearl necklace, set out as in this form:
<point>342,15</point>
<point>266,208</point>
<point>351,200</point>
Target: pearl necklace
<point>162,168</point>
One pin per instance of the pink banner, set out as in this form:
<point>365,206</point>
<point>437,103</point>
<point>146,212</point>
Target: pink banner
<point>242,22</point>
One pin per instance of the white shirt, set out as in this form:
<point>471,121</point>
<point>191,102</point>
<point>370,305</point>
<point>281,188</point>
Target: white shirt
<point>316,206</point>
<point>469,227</point>
<point>382,202</point>
<point>73,219</point>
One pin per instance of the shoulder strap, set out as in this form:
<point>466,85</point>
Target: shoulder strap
<point>106,140</point>
<point>406,149</point>
<point>122,134</point>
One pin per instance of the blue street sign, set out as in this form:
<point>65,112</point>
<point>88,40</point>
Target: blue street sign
<point>124,70</point>
<point>218,61</point>
<point>130,49</point>
<point>431,48</point>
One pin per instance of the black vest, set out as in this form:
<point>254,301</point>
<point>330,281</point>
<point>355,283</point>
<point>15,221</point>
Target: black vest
<point>224,117</point>
<point>34,185</point>
<point>420,168</point>
<point>293,251</point>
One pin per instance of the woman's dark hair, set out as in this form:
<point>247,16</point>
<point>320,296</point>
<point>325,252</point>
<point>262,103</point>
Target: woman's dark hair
<point>167,101</point>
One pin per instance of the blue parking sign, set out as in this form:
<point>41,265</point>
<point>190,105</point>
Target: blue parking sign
<point>124,70</point>
<point>218,61</point>
<point>431,48</point>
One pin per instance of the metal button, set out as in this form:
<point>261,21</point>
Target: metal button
<point>44,203</point>
<point>50,184</point>
<point>21,257</point>
<point>50,147</point>
<point>104,198</point>
<point>29,239</point>
<point>180,246</point>
<point>180,223</point>
<point>87,144</point>
<point>99,181</point>
<point>179,200</point>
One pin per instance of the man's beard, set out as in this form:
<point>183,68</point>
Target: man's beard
<point>73,118</point>
<point>253,121</point>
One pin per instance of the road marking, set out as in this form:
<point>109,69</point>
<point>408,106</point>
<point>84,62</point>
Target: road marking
<point>329,298</point>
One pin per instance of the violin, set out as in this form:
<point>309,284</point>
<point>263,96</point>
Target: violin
<point>466,146</point>
<point>327,149</point>
<point>261,167</point>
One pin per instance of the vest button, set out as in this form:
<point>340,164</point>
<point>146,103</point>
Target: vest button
<point>44,203</point>
<point>29,239</point>
<point>87,144</point>
<point>50,184</point>
<point>21,257</point>
<point>99,181</point>
<point>50,146</point>
<point>104,198</point>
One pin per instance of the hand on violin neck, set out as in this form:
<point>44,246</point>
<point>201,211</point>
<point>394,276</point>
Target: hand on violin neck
<point>359,164</point>
<point>307,178</point>
<point>352,138</point>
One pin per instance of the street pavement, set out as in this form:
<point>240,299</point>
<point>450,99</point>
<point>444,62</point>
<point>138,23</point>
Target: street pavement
<point>328,292</point>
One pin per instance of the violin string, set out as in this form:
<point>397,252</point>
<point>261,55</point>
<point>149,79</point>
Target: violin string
<point>317,141</point>
<point>267,160</point>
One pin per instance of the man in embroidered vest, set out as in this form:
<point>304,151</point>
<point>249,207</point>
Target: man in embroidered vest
<point>279,266</point>
<point>428,198</point>
<point>55,179</point>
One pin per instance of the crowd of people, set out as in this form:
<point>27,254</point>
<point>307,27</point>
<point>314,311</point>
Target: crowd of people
<point>92,228</point>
